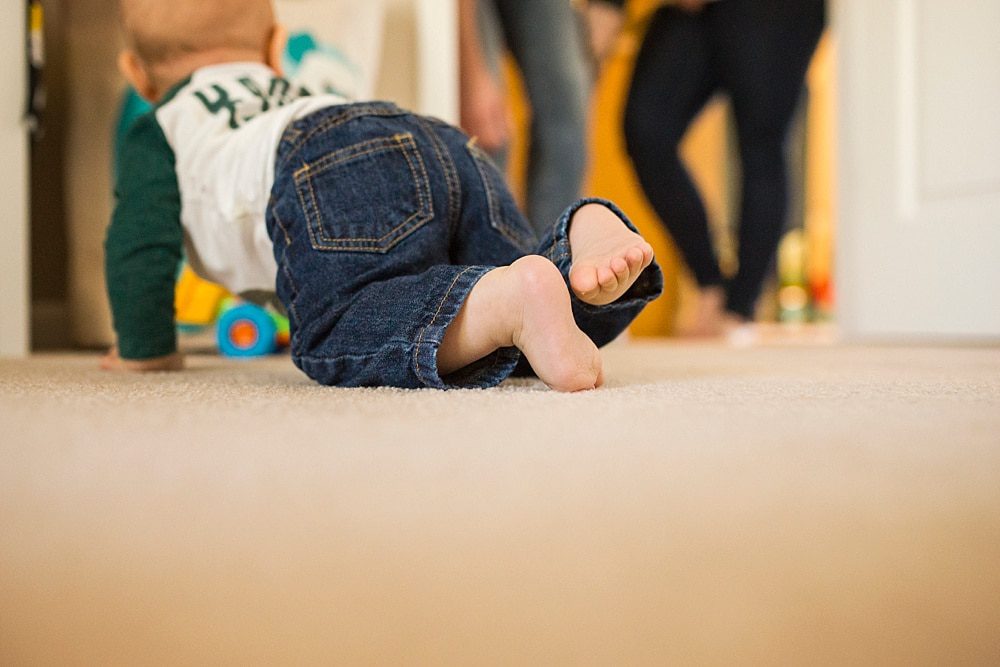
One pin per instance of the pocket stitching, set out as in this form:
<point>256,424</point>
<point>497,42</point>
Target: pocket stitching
<point>479,158</point>
<point>331,122</point>
<point>402,142</point>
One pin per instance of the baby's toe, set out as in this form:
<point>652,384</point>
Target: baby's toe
<point>647,254</point>
<point>635,257</point>
<point>584,279</point>
<point>620,266</point>
<point>607,278</point>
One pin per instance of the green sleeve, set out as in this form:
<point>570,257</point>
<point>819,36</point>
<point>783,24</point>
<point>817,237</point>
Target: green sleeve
<point>144,243</point>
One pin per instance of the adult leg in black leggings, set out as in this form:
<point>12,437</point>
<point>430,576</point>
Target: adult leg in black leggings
<point>762,50</point>
<point>674,77</point>
<point>758,51</point>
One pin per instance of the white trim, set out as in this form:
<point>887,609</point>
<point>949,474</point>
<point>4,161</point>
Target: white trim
<point>437,49</point>
<point>15,249</point>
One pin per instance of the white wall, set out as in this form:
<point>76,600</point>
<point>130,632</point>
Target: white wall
<point>407,50</point>
<point>419,64</point>
<point>14,249</point>
<point>437,36</point>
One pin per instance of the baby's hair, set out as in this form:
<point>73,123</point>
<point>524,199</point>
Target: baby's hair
<point>160,31</point>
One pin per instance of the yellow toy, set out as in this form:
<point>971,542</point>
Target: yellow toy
<point>197,302</point>
<point>243,329</point>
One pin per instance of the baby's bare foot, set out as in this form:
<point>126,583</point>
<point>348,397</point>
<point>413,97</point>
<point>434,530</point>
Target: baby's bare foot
<point>607,255</point>
<point>525,305</point>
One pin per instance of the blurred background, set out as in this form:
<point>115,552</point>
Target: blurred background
<point>893,226</point>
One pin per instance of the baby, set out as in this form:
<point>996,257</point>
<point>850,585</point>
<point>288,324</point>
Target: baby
<point>389,238</point>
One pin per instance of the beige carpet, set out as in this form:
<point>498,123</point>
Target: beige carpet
<point>777,505</point>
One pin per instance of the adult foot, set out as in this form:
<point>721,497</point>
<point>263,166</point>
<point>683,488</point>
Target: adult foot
<point>709,318</point>
<point>525,305</point>
<point>607,255</point>
<point>739,331</point>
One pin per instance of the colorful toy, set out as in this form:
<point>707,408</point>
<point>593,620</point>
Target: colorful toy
<point>243,329</point>
<point>247,330</point>
<point>197,302</point>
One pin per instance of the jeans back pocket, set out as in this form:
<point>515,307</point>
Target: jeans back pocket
<point>504,215</point>
<point>366,197</point>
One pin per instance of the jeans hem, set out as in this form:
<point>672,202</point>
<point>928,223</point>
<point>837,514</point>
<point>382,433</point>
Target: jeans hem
<point>558,251</point>
<point>646,288</point>
<point>481,374</point>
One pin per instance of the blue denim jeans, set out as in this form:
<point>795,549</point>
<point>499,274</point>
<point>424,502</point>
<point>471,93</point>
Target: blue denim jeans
<point>382,222</point>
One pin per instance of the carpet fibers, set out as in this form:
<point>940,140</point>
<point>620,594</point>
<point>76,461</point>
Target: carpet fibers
<point>785,504</point>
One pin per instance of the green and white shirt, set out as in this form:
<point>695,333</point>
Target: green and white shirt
<point>196,173</point>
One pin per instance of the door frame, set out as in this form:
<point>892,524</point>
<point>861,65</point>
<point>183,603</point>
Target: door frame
<point>15,250</point>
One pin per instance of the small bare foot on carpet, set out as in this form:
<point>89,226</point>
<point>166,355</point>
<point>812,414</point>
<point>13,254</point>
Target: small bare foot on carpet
<point>607,255</point>
<point>525,305</point>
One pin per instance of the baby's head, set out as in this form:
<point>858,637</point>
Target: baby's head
<point>167,41</point>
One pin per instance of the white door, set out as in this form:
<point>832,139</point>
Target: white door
<point>919,168</point>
